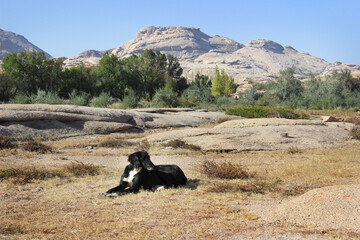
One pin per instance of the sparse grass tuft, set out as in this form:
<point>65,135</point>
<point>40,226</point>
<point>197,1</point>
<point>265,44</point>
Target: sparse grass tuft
<point>10,229</point>
<point>34,146</point>
<point>114,143</point>
<point>79,169</point>
<point>181,144</point>
<point>224,170</point>
<point>5,142</point>
<point>355,132</point>
<point>294,150</point>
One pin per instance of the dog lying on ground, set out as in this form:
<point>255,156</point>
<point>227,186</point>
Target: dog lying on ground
<point>142,173</point>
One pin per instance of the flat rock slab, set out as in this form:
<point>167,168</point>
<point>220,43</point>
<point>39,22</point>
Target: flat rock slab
<point>42,120</point>
<point>259,134</point>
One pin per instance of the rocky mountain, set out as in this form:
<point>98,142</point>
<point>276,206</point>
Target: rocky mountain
<point>11,42</point>
<point>197,52</point>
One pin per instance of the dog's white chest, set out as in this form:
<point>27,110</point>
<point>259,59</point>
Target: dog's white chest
<point>132,174</point>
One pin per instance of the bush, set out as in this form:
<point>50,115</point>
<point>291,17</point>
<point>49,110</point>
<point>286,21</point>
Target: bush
<point>130,99</point>
<point>21,99</point>
<point>103,100</point>
<point>44,97</point>
<point>264,112</point>
<point>78,99</point>
<point>224,170</point>
<point>165,98</point>
<point>248,112</point>
<point>224,102</point>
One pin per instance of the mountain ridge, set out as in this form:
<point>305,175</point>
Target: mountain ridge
<point>256,61</point>
<point>11,42</point>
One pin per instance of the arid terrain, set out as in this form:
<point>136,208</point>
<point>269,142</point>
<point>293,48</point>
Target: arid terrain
<point>291,192</point>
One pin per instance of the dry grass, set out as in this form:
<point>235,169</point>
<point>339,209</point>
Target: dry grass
<point>75,210</point>
<point>27,174</point>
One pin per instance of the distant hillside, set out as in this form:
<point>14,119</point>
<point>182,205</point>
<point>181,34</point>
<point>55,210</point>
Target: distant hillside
<point>11,42</point>
<point>197,52</point>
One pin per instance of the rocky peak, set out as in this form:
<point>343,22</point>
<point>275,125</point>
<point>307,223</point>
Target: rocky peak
<point>266,44</point>
<point>11,42</point>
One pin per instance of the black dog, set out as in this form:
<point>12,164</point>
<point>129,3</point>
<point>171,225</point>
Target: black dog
<point>141,172</point>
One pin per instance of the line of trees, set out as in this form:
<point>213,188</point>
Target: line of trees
<point>28,72</point>
<point>157,80</point>
<point>339,89</point>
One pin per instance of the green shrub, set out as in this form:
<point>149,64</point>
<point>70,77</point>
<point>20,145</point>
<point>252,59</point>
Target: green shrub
<point>81,99</point>
<point>224,102</point>
<point>165,98</point>
<point>103,100</point>
<point>130,99</point>
<point>21,99</point>
<point>248,112</point>
<point>44,97</point>
<point>265,112</point>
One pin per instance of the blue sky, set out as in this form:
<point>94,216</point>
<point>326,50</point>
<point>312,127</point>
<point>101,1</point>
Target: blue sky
<point>327,29</point>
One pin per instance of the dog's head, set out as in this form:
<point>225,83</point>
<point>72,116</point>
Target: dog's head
<point>141,159</point>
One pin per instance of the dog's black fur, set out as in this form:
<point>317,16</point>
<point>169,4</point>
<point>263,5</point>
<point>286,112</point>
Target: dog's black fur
<point>141,172</point>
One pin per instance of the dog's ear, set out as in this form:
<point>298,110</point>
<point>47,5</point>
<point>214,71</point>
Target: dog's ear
<point>146,162</point>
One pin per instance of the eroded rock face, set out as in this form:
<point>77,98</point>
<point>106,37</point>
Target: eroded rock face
<point>11,42</point>
<point>42,120</point>
<point>200,53</point>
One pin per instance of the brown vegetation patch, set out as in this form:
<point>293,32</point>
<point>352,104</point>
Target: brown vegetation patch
<point>355,132</point>
<point>34,146</point>
<point>181,144</point>
<point>5,142</point>
<point>26,174</point>
<point>224,170</point>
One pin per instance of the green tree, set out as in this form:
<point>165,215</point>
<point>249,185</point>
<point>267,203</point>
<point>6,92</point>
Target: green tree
<point>79,78</point>
<point>285,89</point>
<point>222,84</point>
<point>31,71</point>
<point>7,88</point>
<point>111,76</point>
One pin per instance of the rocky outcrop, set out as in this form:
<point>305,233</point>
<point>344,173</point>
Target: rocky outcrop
<point>197,52</point>
<point>259,134</point>
<point>11,42</point>
<point>41,120</point>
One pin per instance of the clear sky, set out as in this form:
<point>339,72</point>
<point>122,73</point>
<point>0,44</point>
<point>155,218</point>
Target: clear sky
<point>328,29</point>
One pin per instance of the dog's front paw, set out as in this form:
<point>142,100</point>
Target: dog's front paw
<point>111,195</point>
